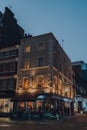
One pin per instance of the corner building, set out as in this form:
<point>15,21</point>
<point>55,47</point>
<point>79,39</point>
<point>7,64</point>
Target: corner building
<point>44,76</point>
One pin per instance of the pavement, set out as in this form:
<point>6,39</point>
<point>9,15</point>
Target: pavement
<point>8,120</point>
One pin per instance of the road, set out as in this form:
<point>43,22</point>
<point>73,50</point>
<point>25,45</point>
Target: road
<point>78,122</point>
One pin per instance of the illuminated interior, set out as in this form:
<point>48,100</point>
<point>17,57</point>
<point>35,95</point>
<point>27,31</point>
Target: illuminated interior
<point>5,105</point>
<point>34,82</point>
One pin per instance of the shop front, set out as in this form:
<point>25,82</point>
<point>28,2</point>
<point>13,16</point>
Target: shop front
<point>6,106</point>
<point>44,102</point>
<point>68,106</point>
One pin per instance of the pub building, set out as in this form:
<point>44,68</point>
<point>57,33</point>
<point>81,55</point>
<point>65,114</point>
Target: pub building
<point>44,76</point>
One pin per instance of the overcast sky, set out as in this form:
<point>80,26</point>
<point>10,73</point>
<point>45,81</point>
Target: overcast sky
<point>67,19</point>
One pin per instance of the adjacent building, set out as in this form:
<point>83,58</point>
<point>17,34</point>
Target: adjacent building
<point>10,34</point>
<point>10,31</point>
<point>80,82</point>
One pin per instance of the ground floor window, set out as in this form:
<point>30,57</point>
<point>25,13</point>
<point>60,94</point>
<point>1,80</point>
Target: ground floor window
<point>21,105</point>
<point>30,105</point>
<point>47,106</point>
<point>4,105</point>
<point>39,104</point>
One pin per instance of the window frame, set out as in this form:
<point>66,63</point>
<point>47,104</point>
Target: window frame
<point>40,64</point>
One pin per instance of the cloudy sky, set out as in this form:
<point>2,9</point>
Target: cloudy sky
<point>67,19</point>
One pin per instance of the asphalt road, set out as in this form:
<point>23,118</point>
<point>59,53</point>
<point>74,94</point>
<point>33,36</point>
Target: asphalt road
<point>78,122</point>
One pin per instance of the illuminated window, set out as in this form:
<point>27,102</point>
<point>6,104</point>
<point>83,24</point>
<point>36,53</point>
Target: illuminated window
<point>21,105</point>
<point>25,83</point>
<point>38,104</point>
<point>30,105</point>
<point>27,49</point>
<point>59,86</point>
<point>26,64</point>
<point>41,81</point>
<point>55,82</point>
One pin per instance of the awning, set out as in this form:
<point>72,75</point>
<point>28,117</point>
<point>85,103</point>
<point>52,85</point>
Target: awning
<point>67,100</point>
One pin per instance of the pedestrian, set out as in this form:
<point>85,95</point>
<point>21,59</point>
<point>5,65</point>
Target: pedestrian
<point>57,116</point>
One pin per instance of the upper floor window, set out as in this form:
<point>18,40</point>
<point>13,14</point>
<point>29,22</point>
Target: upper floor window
<point>13,53</point>
<point>6,53</point>
<point>41,46</point>
<point>40,61</point>
<point>27,49</point>
<point>40,81</point>
<point>26,64</point>
<point>11,83</point>
<point>1,67</point>
<point>1,54</point>
<point>25,83</point>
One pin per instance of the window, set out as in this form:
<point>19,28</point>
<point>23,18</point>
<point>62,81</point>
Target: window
<point>41,46</point>
<point>40,80</point>
<point>26,64</point>
<point>27,49</point>
<point>12,83</point>
<point>0,84</point>
<point>4,84</point>
<point>25,83</point>
<point>4,67</point>
<point>55,82</point>
<point>21,105</point>
<point>30,105</point>
<point>12,66</point>
<point>1,54</point>
<point>1,67</point>
<point>13,53</point>
<point>6,54</point>
<point>40,61</point>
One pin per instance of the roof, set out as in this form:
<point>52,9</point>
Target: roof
<point>77,63</point>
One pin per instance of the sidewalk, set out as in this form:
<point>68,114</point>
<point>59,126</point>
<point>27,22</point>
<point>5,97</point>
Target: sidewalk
<point>8,120</point>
